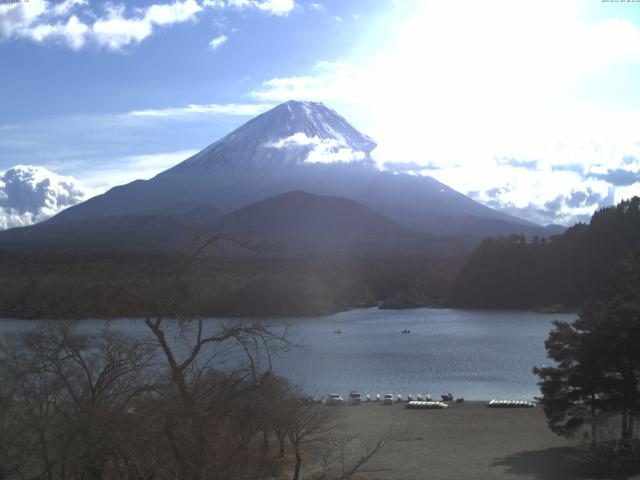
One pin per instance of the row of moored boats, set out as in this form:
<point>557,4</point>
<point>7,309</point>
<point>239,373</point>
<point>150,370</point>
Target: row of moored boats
<point>418,402</point>
<point>510,404</point>
<point>418,405</point>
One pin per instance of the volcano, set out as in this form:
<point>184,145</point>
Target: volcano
<point>294,147</point>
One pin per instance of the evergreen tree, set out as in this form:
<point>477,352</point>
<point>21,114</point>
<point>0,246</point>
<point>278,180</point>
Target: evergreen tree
<point>597,362</point>
<point>573,392</point>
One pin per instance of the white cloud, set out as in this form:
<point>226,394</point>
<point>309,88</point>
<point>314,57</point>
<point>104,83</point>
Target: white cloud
<point>317,6</point>
<point>63,8</point>
<point>114,29</point>
<point>117,31</point>
<point>17,18</point>
<point>297,139</point>
<point>281,89</point>
<point>217,41</point>
<point>276,7</point>
<point>167,14</point>
<point>330,81</point>
<point>320,150</point>
<point>626,192</point>
<point>272,7</point>
<point>36,20</point>
<point>73,32</point>
<point>212,108</point>
<point>30,194</point>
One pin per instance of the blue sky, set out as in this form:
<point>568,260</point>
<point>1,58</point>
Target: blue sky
<point>530,107</point>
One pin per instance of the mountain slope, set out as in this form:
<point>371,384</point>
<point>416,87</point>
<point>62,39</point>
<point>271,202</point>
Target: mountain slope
<point>299,214</point>
<point>296,223</point>
<point>299,223</point>
<point>127,232</point>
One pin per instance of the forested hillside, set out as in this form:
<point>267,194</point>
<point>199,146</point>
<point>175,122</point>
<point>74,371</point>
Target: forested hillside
<point>87,286</point>
<point>513,272</point>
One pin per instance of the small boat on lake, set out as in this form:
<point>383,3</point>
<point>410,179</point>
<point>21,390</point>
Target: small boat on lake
<point>338,331</point>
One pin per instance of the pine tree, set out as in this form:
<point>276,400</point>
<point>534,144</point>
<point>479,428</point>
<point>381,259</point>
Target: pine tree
<point>597,362</point>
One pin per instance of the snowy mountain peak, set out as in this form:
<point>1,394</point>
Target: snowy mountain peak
<point>292,133</point>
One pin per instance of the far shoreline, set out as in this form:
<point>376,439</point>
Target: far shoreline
<point>93,317</point>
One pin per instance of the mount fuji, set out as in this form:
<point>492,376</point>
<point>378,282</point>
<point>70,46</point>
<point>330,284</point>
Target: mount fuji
<point>296,146</point>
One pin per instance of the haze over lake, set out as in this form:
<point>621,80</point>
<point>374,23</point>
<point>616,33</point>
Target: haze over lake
<point>476,354</point>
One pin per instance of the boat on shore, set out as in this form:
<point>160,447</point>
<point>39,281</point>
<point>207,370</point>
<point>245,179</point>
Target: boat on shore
<point>416,405</point>
<point>511,404</point>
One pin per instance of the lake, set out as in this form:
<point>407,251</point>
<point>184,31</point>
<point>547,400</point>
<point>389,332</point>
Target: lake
<point>473,354</point>
<point>470,353</point>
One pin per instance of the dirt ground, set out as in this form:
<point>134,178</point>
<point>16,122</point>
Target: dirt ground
<point>465,441</point>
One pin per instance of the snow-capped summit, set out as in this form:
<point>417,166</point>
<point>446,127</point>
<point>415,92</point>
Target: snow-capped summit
<point>293,133</point>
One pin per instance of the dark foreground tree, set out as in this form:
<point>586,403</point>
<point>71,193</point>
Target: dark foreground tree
<point>575,391</point>
<point>596,376</point>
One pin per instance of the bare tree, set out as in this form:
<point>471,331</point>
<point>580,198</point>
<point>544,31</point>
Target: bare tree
<point>69,392</point>
<point>306,426</point>
<point>215,369</point>
<point>190,399</point>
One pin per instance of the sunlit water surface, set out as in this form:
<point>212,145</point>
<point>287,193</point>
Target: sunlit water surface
<point>472,354</point>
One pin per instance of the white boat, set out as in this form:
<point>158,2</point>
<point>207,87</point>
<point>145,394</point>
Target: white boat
<point>415,405</point>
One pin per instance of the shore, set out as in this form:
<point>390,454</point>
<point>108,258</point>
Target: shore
<point>465,441</point>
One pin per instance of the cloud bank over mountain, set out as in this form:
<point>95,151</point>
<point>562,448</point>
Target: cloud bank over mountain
<point>320,150</point>
<point>30,194</point>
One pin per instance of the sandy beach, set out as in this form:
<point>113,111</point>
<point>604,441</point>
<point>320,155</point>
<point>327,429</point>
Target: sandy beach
<point>465,441</point>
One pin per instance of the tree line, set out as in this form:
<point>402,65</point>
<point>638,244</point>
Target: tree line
<point>88,286</point>
<point>565,270</point>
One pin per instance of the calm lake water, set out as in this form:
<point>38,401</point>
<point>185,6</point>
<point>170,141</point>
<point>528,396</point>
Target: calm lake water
<point>473,354</point>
